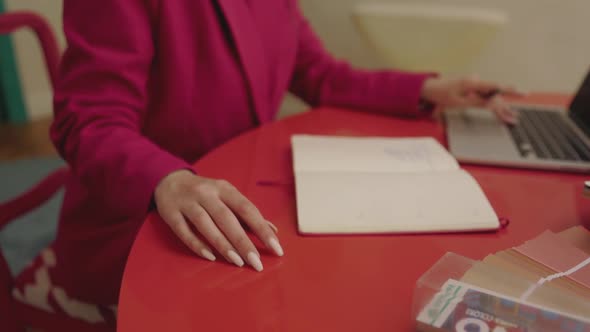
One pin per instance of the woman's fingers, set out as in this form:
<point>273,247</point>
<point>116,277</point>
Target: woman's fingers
<point>506,114</point>
<point>503,111</point>
<point>469,85</point>
<point>182,230</point>
<point>202,221</point>
<point>509,91</point>
<point>215,208</point>
<point>232,229</point>
<point>474,100</point>
<point>273,226</point>
<point>248,212</point>
<point>487,90</point>
<point>474,93</point>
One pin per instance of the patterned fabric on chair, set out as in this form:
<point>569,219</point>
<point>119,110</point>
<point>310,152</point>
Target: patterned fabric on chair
<point>32,300</point>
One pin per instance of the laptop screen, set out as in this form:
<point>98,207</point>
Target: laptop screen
<point>580,106</point>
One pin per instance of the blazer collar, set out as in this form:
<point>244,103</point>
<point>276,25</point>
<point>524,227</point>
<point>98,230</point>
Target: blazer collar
<point>252,57</point>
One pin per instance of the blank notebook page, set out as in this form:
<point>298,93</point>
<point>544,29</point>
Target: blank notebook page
<point>387,202</point>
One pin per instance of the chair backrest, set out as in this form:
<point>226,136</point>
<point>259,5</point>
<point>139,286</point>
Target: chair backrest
<point>10,22</point>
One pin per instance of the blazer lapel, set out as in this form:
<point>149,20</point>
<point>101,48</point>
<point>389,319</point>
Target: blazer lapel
<point>252,57</point>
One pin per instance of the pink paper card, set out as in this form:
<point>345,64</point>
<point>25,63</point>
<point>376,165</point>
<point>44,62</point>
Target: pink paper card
<point>557,254</point>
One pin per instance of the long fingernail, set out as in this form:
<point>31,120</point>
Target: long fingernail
<point>207,254</point>
<point>274,244</point>
<point>235,258</point>
<point>254,261</point>
<point>274,228</point>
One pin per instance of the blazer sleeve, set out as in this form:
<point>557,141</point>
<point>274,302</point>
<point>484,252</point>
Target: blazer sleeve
<point>100,99</point>
<point>321,80</point>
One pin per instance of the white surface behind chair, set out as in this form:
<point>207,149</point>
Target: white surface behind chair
<point>544,46</point>
<point>428,37</point>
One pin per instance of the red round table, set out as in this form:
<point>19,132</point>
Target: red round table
<point>331,283</point>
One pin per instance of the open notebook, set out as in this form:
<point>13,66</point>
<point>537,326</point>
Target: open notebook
<point>384,185</point>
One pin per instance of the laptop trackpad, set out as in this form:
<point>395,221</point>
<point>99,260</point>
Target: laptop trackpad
<point>476,134</point>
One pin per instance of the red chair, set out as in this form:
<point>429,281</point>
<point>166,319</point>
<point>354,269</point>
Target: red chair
<point>14,315</point>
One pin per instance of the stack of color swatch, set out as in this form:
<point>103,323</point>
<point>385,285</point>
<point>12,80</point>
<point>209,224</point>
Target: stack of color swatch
<point>541,285</point>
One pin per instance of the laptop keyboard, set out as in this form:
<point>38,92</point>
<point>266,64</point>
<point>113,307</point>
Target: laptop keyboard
<point>547,135</point>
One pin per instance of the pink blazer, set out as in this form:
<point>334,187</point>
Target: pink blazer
<point>147,87</point>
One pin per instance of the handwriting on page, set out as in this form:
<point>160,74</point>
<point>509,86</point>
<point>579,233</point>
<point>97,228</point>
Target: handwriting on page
<point>411,154</point>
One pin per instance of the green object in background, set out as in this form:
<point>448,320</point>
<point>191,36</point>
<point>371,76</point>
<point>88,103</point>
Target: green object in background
<point>12,106</point>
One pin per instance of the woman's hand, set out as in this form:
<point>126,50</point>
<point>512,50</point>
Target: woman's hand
<point>470,92</point>
<point>214,208</point>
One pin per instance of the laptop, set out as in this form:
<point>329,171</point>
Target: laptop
<point>545,137</point>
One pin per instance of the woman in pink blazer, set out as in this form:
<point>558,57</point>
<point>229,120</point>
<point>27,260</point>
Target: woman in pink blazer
<point>149,86</point>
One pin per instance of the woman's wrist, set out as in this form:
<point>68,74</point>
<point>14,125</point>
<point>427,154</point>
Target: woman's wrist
<point>428,92</point>
<point>427,95</point>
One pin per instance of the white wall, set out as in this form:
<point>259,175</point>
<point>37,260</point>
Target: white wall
<point>34,79</point>
<point>544,48</point>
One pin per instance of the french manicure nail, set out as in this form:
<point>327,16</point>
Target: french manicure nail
<point>254,261</point>
<point>235,258</point>
<point>274,228</point>
<point>274,244</point>
<point>207,254</point>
